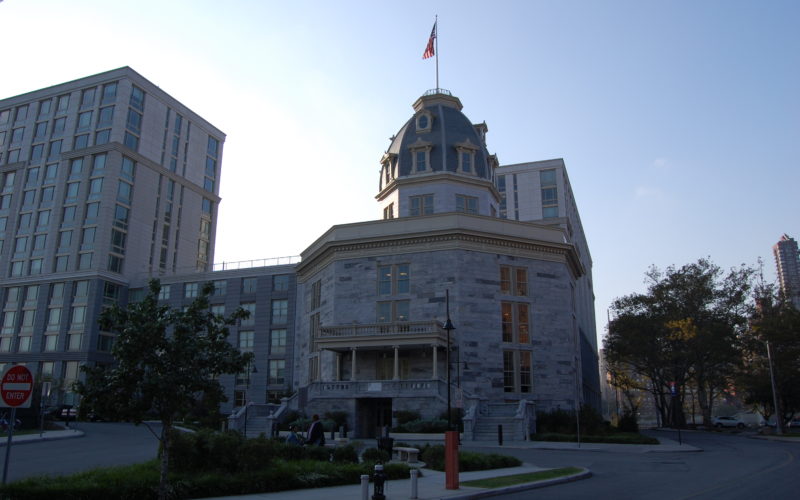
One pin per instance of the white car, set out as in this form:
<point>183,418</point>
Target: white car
<point>719,422</point>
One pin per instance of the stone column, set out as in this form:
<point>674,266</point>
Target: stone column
<point>353,363</point>
<point>396,362</point>
<point>338,375</point>
<point>435,362</point>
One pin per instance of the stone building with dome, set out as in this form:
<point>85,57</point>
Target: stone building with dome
<point>356,324</point>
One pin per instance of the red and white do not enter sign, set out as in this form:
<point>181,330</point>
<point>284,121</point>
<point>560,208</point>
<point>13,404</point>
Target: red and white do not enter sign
<point>16,386</point>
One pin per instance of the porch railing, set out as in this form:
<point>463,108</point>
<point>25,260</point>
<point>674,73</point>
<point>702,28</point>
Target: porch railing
<point>377,329</point>
<point>378,388</point>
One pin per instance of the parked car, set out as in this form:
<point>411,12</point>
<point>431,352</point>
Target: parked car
<point>720,422</point>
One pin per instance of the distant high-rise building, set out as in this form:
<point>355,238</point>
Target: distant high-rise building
<point>787,261</point>
<point>102,180</point>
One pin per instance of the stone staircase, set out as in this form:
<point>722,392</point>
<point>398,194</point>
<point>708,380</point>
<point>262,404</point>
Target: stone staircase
<point>256,425</point>
<point>497,414</point>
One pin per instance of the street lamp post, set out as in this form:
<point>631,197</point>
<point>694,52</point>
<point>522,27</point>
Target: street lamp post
<point>778,416</point>
<point>450,437</point>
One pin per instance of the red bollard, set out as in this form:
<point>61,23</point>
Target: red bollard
<point>451,460</point>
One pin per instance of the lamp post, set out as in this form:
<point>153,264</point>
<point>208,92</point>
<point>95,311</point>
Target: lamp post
<point>778,416</point>
<point>450,437</point>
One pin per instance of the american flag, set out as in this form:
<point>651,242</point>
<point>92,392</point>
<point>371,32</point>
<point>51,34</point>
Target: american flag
<point>429,52</point>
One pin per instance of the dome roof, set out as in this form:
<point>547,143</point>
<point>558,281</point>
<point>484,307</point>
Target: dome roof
<point>439,127</point>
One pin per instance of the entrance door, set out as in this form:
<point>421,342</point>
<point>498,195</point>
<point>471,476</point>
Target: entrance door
<point>372,415</point>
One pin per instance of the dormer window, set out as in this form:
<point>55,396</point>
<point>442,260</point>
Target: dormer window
<point>466,157</point>
<point>420,160</point>
<point>424,122</point>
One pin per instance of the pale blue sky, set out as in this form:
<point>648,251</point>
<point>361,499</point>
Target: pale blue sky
<point>678,121</point>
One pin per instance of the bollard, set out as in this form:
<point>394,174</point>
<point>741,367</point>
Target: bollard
<point>364,486</point>
<point>500,435</point>
<point>379,483</point>
<point>414,478</point>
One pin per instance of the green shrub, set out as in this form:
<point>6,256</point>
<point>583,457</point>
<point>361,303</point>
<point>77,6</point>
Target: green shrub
<point>433,456</point>
<point>289,418</point>
<point>339,419</point>
<point>628,422</point>
<point>375,455</point>
<point>345,454</point>
<point>422,426</point>
<point>405,416</point>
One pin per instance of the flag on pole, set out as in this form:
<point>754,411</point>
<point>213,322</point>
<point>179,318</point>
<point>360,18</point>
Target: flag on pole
<point>429,52</point>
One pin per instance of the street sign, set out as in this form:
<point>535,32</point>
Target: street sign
<point>16,386</point>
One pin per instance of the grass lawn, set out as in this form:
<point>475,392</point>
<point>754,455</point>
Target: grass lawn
<point>530,477</point>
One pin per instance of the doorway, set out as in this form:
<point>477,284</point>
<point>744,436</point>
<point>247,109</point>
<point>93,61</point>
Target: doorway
<point>372,415</point>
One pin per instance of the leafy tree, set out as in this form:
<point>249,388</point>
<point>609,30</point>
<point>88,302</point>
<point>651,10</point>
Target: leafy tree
<point>166,361</point>
<point>777,322</point>
<point>685,329</point>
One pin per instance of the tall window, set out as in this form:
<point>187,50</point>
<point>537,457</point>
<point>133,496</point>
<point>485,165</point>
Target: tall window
<point>280,311</point>
<point>191,290</point>
<point>280,283</point>
<point>515,322</point>
<point>393,279</point>
<point>277,342</point>
<point>547,179</point>
<point>251,308</point>
<point>249,285</point>
<point>277,372</point>
<point>517,371</point>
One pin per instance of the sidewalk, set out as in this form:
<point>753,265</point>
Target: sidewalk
<point>36,437</point>
<point>429,487</point>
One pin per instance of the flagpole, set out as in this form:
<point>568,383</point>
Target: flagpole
<point>436,23</point>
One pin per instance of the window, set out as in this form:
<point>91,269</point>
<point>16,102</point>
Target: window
<point>110,293</point>
<point>81,291</point>
<point>525,383</point>
<point>59,124</point>
<point>388,211</point>
<point>78,317</point>
<point>465,158</point>
<point>87,241</point>
<point>249,285</point>
<point>213,147</point>
<point>28,198</point>
<point>420,160</point>
<point>9,322</point>
<point>5,201</point>
<point>40,130</point>
<point>466,204</point>
<point>28,318</point>
<point>118,241</point>
<point>250,307</point>
<point>220,288</point>
<point>390,311</point>
<point>54,319</point>
<point>44,107</point>
<point>65,239</point>
<point>84,120</point>
<point>81,141</point>
<point>137,98</point>
<point>109,92</point>
<point>393,279</point>
<point>163,294</point>
<point>277,342</point>
<point>85,261</point>
<point>106,116</point>
<point>102,136</point>
<point>24,221</point>
<point>121,217</point>
<point>50,173</point>
<point>96,186</point>
<point>131,141</point>
<point>134,123</point>
<point>280,283</point>
<point>8,181</point>
<point>37,150</point>
<point>421,205</point>
<point>127,168</point>
<point>218,310</point>
<point>92,210</point>
<point>517,370</point>
<point>547,179</point>
<point>508,371</point>
<point>72,190</point>
<point>277,371</point>
<point>61,263</point>
<point>50,344</point>
<point>47,194</point>
<point>191,290</point>
<point>280,311</point>
<point>33,176</point>
<point>514,281</point>
<point>515,322</point>
<point>74,342</point>
<point>87,97</point>
<point>22,113</point>
<point>246,340</point>
<point>124,192</point>
<point>105,342</point>
<point>115,263</point>
<point>21,244</point>
<point>39,242</point>
<point>68,214</point>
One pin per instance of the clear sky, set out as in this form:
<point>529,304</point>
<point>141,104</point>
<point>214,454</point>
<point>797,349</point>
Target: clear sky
<point>679,121</point>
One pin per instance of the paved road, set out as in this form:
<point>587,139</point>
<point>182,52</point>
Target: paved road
<point>731,467</point>
<point>103,445</point>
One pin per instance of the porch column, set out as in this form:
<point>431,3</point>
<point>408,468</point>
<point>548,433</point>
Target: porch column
<point>435,362</point>
<point>353,363</point>
<point>338,375</point>
<point>396,362</point>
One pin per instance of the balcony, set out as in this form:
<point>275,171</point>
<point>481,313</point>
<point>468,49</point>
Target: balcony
<point>406,333</point>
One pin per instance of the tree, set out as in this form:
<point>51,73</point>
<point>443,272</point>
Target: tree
<point>777,322</point>
<point>166,361</point>
<point>684,330</point>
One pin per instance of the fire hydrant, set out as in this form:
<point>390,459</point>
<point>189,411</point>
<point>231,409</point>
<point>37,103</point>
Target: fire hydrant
<point>379,481</point>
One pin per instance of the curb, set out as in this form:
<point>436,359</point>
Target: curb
<point>584,474</point>
<point>36,439</point>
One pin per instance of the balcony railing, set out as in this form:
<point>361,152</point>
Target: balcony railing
<point>378,329</point>
<point>378,388</point>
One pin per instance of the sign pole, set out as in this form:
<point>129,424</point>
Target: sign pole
<point>8,443</point>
